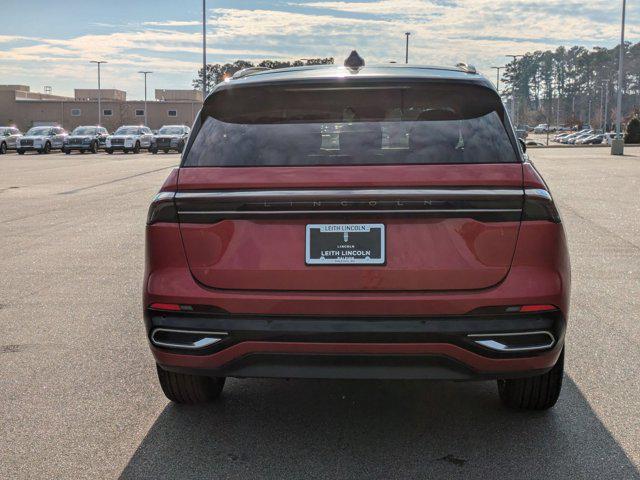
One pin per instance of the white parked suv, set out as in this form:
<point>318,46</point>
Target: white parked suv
<point>9,139</point>
<point>542,128</point>
<point>41,139</point>
<point>129,138</point>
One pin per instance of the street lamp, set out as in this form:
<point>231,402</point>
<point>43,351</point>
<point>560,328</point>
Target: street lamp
<point>406,51</point>
<point>606,105</point>
<point>617,146</point>
<point>204,49</point>
<point>145,73</point>
<point>498,77</point>
<point>99,62</point>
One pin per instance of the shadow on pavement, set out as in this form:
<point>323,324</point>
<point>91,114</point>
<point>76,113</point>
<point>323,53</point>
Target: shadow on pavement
<point>376,430</point>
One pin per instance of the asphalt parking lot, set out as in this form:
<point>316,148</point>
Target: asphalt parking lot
<point>79,396</point>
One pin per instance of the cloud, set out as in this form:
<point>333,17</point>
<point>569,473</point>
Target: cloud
<point>480,32</point>
<point>173,23</point>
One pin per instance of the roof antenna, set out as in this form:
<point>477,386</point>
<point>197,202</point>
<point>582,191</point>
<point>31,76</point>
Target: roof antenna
<point>354,62</point>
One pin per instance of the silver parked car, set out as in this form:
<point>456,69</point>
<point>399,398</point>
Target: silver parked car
<point>170,137</point>
<point>130,138</point>
<point>41,139</point>
<point>8,138</point>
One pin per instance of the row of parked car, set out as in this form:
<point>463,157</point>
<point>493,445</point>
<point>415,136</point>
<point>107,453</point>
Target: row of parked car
<point>128,138</point>
<point>585,136</point>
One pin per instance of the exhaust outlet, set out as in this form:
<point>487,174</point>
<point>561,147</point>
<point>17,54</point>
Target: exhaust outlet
<point>516,341</point>
<point>185,339</point>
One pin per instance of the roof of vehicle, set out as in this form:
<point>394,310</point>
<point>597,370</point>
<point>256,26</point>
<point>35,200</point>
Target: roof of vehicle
<point>383,71</point>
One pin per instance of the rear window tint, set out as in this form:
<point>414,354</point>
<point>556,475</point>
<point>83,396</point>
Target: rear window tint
<point>352,125</point>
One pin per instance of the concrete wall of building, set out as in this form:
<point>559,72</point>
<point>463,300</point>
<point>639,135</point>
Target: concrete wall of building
<point>105,94</point>
<point>70,113</point>
<point>178,95</point>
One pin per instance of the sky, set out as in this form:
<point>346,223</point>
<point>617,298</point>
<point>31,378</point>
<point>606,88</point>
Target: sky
<point>51,43</point>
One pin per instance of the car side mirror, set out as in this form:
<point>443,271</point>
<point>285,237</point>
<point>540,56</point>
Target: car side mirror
<point>523,145</point>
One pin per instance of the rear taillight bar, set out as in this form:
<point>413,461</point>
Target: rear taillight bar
<point>486,204</point>
<point>539,205</point>
<point>163,208</point>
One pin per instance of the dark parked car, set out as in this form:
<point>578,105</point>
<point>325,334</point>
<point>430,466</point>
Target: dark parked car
<point>170,137</point>
<point>41,140</point>
<point>8,139</point>
<point>361,222</point>
<point>86,139</point>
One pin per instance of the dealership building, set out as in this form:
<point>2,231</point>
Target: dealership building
<point>23,108</point>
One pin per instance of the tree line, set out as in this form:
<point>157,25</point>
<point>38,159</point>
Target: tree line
<point>572,86</point>
<point>217,72</point>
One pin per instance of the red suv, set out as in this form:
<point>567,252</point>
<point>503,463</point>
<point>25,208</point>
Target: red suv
<point>356,222</point>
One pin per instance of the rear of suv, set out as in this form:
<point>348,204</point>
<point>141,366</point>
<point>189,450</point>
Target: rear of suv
<point>356,222</point>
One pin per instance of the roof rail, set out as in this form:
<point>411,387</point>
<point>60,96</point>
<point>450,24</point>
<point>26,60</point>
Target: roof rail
<point>248,71</point>
<point>466,68</point>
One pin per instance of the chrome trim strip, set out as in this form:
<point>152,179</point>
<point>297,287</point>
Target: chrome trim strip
<point>382,193</point>
<point>494,344</point>
<point>209,338</point>
<point>351,212</point>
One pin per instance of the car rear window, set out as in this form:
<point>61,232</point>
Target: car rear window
<point>344,124</point>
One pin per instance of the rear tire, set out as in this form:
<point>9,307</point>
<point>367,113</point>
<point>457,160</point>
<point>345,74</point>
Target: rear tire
<point>189,389</point>
<point>136,149</point>
<point>533,393</point>
<point>3,148</point>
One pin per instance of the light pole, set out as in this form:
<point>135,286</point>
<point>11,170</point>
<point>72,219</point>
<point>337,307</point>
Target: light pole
<point>406,51</point>
<point>617,146</point>
<point>145,73</point>
<point>99,62</point>
<point>204,49</point>
<point>606,105</point>
<point>513,89</point>
<point>498,78</point>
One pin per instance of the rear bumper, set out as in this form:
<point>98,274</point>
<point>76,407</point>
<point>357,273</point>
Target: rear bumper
<point>360,347</point>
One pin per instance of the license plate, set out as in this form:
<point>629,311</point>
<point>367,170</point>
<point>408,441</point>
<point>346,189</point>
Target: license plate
<point>350,244</point>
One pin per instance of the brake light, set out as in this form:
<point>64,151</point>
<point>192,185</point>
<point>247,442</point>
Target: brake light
<point>539,205</point>
<point>162,209</point>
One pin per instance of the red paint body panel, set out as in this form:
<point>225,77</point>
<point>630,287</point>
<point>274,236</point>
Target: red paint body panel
<point>422,254</point>
<point>539,274</point>
<point>471,175</point>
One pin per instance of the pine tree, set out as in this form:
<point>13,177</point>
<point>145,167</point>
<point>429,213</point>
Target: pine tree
<point>633,131</point>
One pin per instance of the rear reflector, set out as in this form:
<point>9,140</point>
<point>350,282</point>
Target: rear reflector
<point>537,308</point>
<point>165,306</point>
